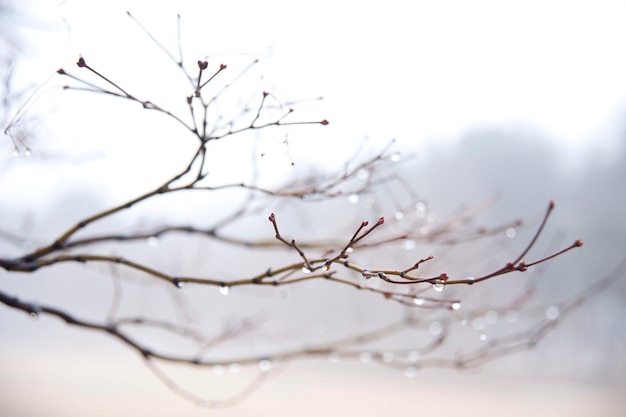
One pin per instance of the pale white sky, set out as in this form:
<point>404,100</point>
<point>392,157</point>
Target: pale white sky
<point>414,71</point>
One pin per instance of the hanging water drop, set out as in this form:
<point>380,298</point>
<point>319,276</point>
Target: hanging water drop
<point>224,290</point>
<point>414,356</point>
<point>395,157</point>
<point>410,371</point>
<point>478,323</point>
<point>353,198</point>
<point>456,305</point>
<point>483,337</point>
<point>34,315</point>
<point>399,215</point>
<point>438,286</point>
<point>552,313</point>
<point>16,152</point>
<point>152,241</point>
<point>408,244</point>
<point>27,152</point>
<point>306,270</point>
<point>265,365</point>
<point>491,317</point>
<point>418,301</point>
<point>510,232</point>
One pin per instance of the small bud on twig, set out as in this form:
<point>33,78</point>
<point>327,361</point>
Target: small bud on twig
<point>81,62</point>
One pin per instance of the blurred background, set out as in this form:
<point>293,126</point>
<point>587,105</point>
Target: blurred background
<point>519,101</point>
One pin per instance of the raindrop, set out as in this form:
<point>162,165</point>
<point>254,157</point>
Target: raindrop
<point>420,206</point>
<point>399,215</point>
<point>478,323</point>
<point>388,357</point>
<point>410,372</point>
<point>34,315</point>
<point>265,365</point>
<point>353,198</point>
<point>408,244</point>
<point>418,301</point>
<point>491,317</point>
<point>510,232</point>
<point>438,286</point>
<point>456,305</point>
<point>224,290</point>
<point>483,337</point>
<point>178,283</point>
<point>217,370</point>
<point>395,157</point>
<point>432,217</point>
<point>463,322</point>
<point>414,356</point>
<point>16,152</point>
<point>234,368</point>
<point>435,328</point>
<point>27,152</point>
<point>552,313</point>
<point>306,270</point>
<point>152,241</point>
<point>365,357</point>
<point>350,249</point>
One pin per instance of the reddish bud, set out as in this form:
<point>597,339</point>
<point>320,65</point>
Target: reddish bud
<point>578,243</point>
<point>365,223</point>
<point>272,218</point>
<point>61,71</point>
<point>551,206</point>
<point>81,62</point>
<point>381,220</point>
<point>324,122</point>
<point>223,67</point>
<point>265,94</point>
<point>443,277</point>
<point>203,65</point>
